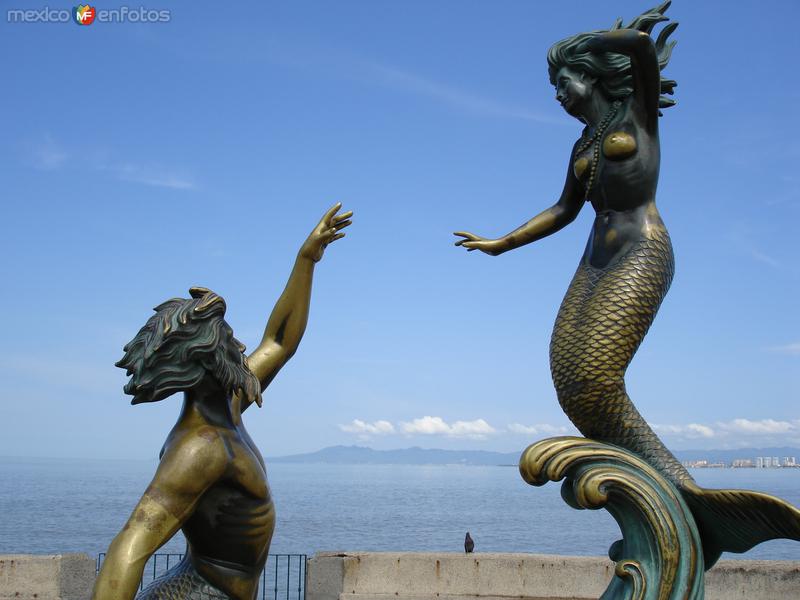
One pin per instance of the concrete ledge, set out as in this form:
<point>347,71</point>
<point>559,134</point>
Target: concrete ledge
<point>48,577</point>
<point>425,576</point>
<point>753,580</point>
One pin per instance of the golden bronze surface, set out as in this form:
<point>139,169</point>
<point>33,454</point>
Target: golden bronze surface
<point>619,145</point>
<point>660,555</point>
<point>611,81</point>
<point>211,479</point>
<point>580,166</point>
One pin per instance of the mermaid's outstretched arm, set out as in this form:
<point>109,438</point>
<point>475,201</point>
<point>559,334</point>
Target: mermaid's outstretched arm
<point>288,320</point>
<point>186,470</point>
<point>562,213</point>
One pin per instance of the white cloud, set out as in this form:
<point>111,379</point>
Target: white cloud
<point>360,427</point>
<point>701,430</point>
<point>427,425</point>
<point>735,433</point>
<point>47,154</point>
<point>764,258</point>
<point>477,428</point>
<point>446,94</point>
<point>793,348</point>
<point>151,176</point>
<point>738,427</point>
<point>539,429</point>
<point>691,431</point>
<point>750,241</point>
<point>358,68</point>
<point>768,426</point>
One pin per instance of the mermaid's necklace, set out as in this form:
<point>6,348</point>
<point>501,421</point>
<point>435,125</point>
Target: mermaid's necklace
<point>598,132</point>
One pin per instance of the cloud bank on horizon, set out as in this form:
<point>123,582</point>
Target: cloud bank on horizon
<point>736,433</point>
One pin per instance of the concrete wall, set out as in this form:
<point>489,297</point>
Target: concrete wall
<point>48,577</point>
<point>421,576</point>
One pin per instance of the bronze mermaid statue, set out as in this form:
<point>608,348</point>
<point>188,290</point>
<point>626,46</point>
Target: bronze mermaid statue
<point>611,81</point>
<point>211,480</point>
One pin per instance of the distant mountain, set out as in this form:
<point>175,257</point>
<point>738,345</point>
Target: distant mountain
<point>357,455</point>
<point>406,456</point>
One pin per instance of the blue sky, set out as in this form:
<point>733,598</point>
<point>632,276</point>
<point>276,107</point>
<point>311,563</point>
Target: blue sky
<point>139,159</point>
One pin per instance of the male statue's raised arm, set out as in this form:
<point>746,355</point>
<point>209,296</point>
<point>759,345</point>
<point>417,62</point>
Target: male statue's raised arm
<point>288,320</point>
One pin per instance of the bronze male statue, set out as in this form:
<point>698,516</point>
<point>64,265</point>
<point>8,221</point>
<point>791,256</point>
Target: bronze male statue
<point>211,481</point>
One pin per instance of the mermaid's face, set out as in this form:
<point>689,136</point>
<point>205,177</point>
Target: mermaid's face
<point>573,89</point>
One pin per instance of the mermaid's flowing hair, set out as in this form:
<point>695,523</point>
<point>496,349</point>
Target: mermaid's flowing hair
<point>613,71</point>
<point>185,340</point>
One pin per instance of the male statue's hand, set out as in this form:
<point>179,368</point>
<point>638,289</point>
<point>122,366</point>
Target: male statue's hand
<point>327,230</point>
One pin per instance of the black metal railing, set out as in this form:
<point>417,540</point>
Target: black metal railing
<point>283,578</point>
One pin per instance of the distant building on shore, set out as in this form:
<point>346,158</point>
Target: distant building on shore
<point>703,464</point>
<point>759,462</point>
<point>773,462</point>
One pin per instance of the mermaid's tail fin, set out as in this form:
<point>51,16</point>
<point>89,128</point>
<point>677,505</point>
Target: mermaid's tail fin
<point>737,520</point>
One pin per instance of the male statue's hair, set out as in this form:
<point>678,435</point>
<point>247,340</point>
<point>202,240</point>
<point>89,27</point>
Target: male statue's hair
<point>183,342</point>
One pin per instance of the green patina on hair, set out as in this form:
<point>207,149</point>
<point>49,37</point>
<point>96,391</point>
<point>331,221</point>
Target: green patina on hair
<point>183,342</point>
<point>613,71</point>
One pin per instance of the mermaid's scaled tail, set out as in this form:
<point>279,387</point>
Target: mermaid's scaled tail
<point>602,320</point>
<point>737,520</point>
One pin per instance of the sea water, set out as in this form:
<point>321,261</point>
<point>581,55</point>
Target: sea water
<point>56,506</point>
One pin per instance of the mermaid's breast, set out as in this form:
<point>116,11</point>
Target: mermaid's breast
<point>619,145</point>
<point>579,167</point>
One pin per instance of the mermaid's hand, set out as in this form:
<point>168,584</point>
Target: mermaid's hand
<point>475,242</point>
<point>326,231</point>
